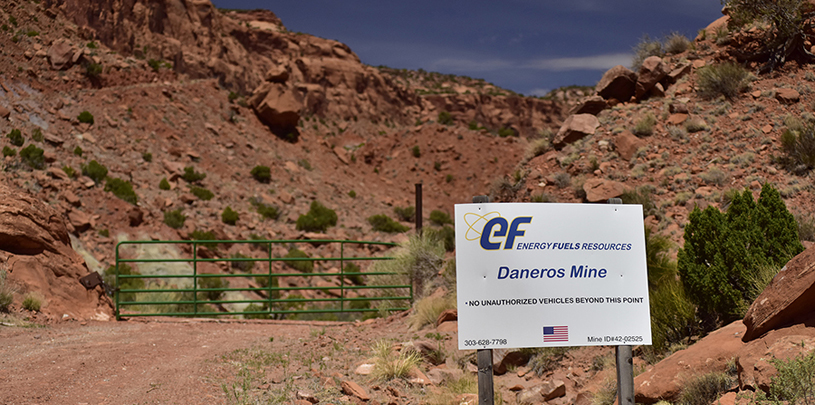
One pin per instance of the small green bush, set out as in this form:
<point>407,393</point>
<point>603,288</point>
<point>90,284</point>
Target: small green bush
<point>406,214</point>
<point>16,137</point>
<point>445,118</point>
<point>352,194</point>
<point>122,189</point>
<point>191,176</point>
<point>243,266</point>
<point>384,223</point>
<point>440,218</point>
<point>446,235</point>
<point>229,216</point>
<point>109,277</point>
<point>645,126</point>
<point>9,151</point>
<point>85,117</point>
<point>415,151</point>
<point>36,135</point>
<point>212,283</point>
<point>506,132</point>
<point>93,70</point>
<point>726,79</point>
<point>33,156</point>
<point>164,184</point>
<point>78,151</point>
<point>32,302</point>
<point>69,171</point>
<point>256,308</point>
<point>303,266</point>
<point>96,171</point>
<point>267,211</point>
<point>645,48</point>
<point>205,235</point>
<point>104,233</point>
<point>147,157</point>
<point>318,218</point>
<point>6,293</point>
<point>174,219</point>
<point>795,381</point>
<point>705,389</point>
<point>154,64</point>
<point>262,174</point>
<point>201,193</point>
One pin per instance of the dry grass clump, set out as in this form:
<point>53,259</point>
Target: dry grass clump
<point>427,310</point>
<point>6,292</point>
<point>390,365</point>
<point>32,302</point>
<point>725,79</point>
<point>705,389</point>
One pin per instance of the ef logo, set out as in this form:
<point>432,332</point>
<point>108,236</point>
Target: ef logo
<point>495,228</point>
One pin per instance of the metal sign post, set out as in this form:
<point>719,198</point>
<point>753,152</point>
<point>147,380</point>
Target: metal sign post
<point>486,391</point>
<point>625,361</point>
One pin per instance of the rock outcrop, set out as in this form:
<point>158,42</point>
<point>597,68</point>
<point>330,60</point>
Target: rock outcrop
<point>788,299</point>
<point>36,251</point>
<point>617,83</point>
<point>575,127</point>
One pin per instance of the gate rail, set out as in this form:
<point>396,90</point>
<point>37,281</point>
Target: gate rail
<point>191,299</point>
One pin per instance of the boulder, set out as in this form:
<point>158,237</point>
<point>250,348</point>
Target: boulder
<point>60,54</point>
<point>503,359</point>
<point>277,74</point>
<point>787,96</point>
<point>600,190</point>
<point>575,127</point>
<point>591,105</point>
<point>628,144</point>
<point>754,360</point>
<point>353,389</point>
<point>653,70</point>
<point>680,70</point>
<point>447,315</point>
<point>79,220</point>
<point>543,392</point>
<point>666,379</point>
<point>36,252</point>
<point>617,83</point>
<point>280,108</point>
<point>788,299</point>
<point>4,112</point>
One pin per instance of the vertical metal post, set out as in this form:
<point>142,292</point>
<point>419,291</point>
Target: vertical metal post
<point>342,276</point>
<point>486,391</point>
<point>116,287</point>
<point>625,375</point>
<point>270,285</point>
<point>625,361</point>
<point>418,207</point>
<point>195,278</point>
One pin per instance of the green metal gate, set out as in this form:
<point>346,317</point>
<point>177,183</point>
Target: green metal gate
<point>186,291</point>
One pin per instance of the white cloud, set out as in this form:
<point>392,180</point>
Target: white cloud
<point>592,62</point>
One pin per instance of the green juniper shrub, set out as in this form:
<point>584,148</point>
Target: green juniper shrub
<point>303,266</point>
<point>174,219</point>
<point>722,252</point>
<point>384,223</point>
<point>352,194</point>
<point>318,219</point>
<point>109,277</point>
<point>244,266</point>
<point>16,137</point>
<point>96,171</point>
<point>122,189</point>
<point>725,79</point>
<point>9,151</point>
<point>261,173</point>
<point>505,132</point>
<point>154,64</point>
<point>36,135</point>
<point>91,45</point>
<point>352,273</point>
<point>198,235</point>
<point>93,70</point>
<point>164,184</point>
<point>406,214</point>
<point>256,308</point>
<point>147,157</point>
<point>191,176</point>
<point>78,151</point>
<point>212,283</point>
<point>85,117</point>
<point>445,118</point>
<point>201,193</point>
<point>415,151</point>
<point>69,171</point>
<point>229,216</point>
<point>448,178</point>
<point>267,211</point>
<point>440,218</point>
<point>33,156</point>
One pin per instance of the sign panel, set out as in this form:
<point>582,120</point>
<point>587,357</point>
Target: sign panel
<point>538,275</point>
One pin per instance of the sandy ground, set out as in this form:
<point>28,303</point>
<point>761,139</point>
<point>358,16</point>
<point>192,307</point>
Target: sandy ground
<point>132,362</point>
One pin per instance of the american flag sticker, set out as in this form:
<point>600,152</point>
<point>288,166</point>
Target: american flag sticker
<point>555,334</point>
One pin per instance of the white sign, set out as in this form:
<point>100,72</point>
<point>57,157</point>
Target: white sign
<point>538,275</point>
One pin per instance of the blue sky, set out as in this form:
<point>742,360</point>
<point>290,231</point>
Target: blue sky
<point>524,45</point>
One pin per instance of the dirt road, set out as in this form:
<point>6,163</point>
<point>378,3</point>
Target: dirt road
<point>132,362</point>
